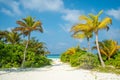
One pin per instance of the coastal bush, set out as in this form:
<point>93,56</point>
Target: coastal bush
<point>114,61</point>
<point>37,61</point>
<point>41,61</point>
<point>12,55</point>
<point>80,58</point>
<point>84,60</point>
<point>65,57</point>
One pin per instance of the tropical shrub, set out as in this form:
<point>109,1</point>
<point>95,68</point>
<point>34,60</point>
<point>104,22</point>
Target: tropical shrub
<point>37,61</point>
<point>109,48</point>
<point>65,57</point>
<point>114,61</point>
<point>12,55</point>
<point>80,58</point>
<point>84,60</point>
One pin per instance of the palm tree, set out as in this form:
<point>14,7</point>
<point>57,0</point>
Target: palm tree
<point>39,47</point>
<point>10,36</point>
<point>98,25</point>
<point>81,34</point>
<point>2,35</point>
<point>26,26</point>
<point>94,25</point>
<point>108,48</point>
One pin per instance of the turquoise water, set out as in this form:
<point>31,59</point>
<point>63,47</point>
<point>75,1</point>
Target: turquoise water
<point>53,56</point>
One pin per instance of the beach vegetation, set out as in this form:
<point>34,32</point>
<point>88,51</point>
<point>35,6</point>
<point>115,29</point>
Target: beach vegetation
<point>93,24</point>
<point>26,26</point>
<point>80,58</point>
<point>18,52</point>
<point>108,48</point>
<point>11,56</point>
<point>10,37</point>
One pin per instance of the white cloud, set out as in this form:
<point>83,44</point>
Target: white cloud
<point>6,11</point>
<point>13,7</point>
<point>114,13</point>
<point>43,5</point>
<point>52,5</point>
<point>71,15</point>
<point>68,15</point>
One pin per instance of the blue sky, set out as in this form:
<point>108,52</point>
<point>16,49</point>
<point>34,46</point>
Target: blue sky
<point>57,17</point>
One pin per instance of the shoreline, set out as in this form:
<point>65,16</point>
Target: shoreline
<point>57,71</point>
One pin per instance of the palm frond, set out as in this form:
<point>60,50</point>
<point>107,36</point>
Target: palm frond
<point>22,24</point>
<point>78,35</point>
<point>36,24</point>
<point>87,19</point>
<point>104,23</point>
<point>80,27</point>
<point>100,13</point>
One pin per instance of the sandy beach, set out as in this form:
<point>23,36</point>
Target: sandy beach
<point>58,71</point>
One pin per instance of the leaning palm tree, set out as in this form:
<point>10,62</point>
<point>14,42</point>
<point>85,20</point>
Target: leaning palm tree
<point>108,48</point>
<point>93,24</point>
<point>26,26</point>
<point>98,25</point>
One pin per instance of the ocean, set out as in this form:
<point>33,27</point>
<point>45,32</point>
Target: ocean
<point>53,56</point>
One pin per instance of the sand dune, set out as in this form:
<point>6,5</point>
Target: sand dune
<point>58,71</point>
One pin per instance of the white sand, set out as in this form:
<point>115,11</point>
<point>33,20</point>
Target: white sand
<point>58,71</point>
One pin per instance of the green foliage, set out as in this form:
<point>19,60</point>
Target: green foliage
<point>12,55</point>
<point>41,61</point>
<point>84,60</point>
<point>38,47</point>
<point>75,59</point>
<point>114,61</point>
<point>81,59</point>
<point>65,57</point>
<point>37,61</point>
<point>108,48</point>
<point>107,69</point>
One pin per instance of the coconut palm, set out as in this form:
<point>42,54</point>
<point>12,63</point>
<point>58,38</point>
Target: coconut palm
<point>2,35</point>
<point>26,26</point>
<point>93,24</point>
<point>39,47</point>
<point>10,36</point>
<point>98,25</point>
<point>108,48</point>
<point>82,34</point>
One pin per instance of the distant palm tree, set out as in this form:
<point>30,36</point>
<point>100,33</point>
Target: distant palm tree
<point>2,35</point>
<point>80,34</point>
<point>108,48</point>
<point>26,26</point>
<point>39,47</point>
<point>10,36</point>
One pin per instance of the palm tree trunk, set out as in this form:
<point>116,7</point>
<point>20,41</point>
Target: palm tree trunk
<point>25,51</point>
<point>99,54</point>
<point>88,45</point>
<point>108,57</point>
